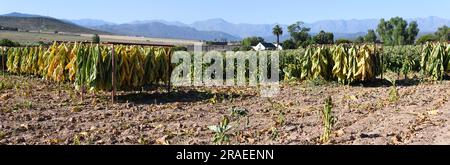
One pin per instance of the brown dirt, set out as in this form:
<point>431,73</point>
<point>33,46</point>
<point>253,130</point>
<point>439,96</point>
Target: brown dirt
<point>35,111</point>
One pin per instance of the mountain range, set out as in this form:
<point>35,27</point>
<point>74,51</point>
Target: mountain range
<point>220,29</point>
<point>29,22</point>
<point>231,31</point>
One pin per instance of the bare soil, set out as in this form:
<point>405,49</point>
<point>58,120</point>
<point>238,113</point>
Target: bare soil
<point>36,111</point>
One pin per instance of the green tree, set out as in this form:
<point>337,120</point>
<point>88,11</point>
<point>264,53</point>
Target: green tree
<point>412,32</point>
<point>427,38</point>
<point>179,48</point>
<point>443,33</point>
<point>371,37</point>
<point>289,44</point>
<point>277,30</point>
<point>384,29</point>
<point>324,38</point>
<point>299,34</point>
<point>359,40</point>
<point>397,32</point>
<point>248,42</point>
<point>6,42</point>
<point>343,41</point>
<point>96,38</point>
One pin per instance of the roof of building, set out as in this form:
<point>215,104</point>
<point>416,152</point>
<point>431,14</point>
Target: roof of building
<point>268,45</point>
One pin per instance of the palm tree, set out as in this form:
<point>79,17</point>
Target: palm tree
<point>277,30</point>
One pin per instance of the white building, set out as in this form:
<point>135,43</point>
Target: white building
<point>267,46</point>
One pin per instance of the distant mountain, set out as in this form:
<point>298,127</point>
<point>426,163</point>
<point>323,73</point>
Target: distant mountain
<point>173,23</point>
<point>16,14</point>
<point>241,30</point>
<point>430,24</point>
<point>231,31</point>
<point>212,29</point>
<point>97,22</point>
<point>343,26</point>
<point>40,23</point>
<point>160,30</point>
<point>90,22</point>
<point>339,27</point>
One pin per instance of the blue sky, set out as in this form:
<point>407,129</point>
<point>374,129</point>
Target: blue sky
<point>237,11</point>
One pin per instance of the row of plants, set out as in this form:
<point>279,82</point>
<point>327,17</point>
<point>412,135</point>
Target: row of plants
<point>435,60</point>
<point>90,65</point>
<point>343,63</point>
<point>347,63</point>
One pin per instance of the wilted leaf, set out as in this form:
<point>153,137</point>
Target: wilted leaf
<point>433,112</point>
<point>214,128</point>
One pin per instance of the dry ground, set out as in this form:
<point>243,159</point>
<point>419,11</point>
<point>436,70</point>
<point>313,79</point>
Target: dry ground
<point>30,38</point>
<point>35,111</point>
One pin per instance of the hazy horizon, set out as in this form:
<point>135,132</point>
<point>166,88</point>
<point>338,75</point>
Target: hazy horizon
<point>242,12</point>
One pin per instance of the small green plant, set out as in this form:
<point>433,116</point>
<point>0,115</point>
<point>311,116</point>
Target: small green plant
<point>328,120</point>
<point>213,100</point>
<point>274,133</point>
<point>407,66</point>
<point>316,82</point>
<point>28,104</point>
<point>76,140</point>
<point>15,108</point>
<point>4,85</point>
<point>2,135</point>
<point>281,119</point>
<point>143,141</point>
<point>278,115</point>
<point>275,105</point>
<point>240,114</point>
<point>393,92</point>
<point>221,136</point>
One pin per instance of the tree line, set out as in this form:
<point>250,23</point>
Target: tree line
<point>395,31</point>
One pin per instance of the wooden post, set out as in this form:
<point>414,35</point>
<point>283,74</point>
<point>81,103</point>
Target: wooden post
<point>3,60</point>
<point>82,92</point>
<point>113,81</point>
<point>170,73</point>
<point>382,63</point>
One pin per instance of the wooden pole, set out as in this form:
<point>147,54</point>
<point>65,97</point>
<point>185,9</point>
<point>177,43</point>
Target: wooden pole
<point>113,81</point>
<point>170,73</point>
<point>3,59</point>
<point>82,92</point>
<point>382,62</point>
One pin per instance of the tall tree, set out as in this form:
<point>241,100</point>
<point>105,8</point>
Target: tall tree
<point>384,29</point>
<point>289,44</point>
<point>371,37</point>
<point>343,41</point>
<point>299,33</point>
<point>278,31</point>
<point>397,32</point>
<point>412,31</point>
<point>359,40</point>
<point>324,38</point>
<point>426,38</point>
<point>443,33</point>
<point>248,42</point>
<point>96,39</point>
